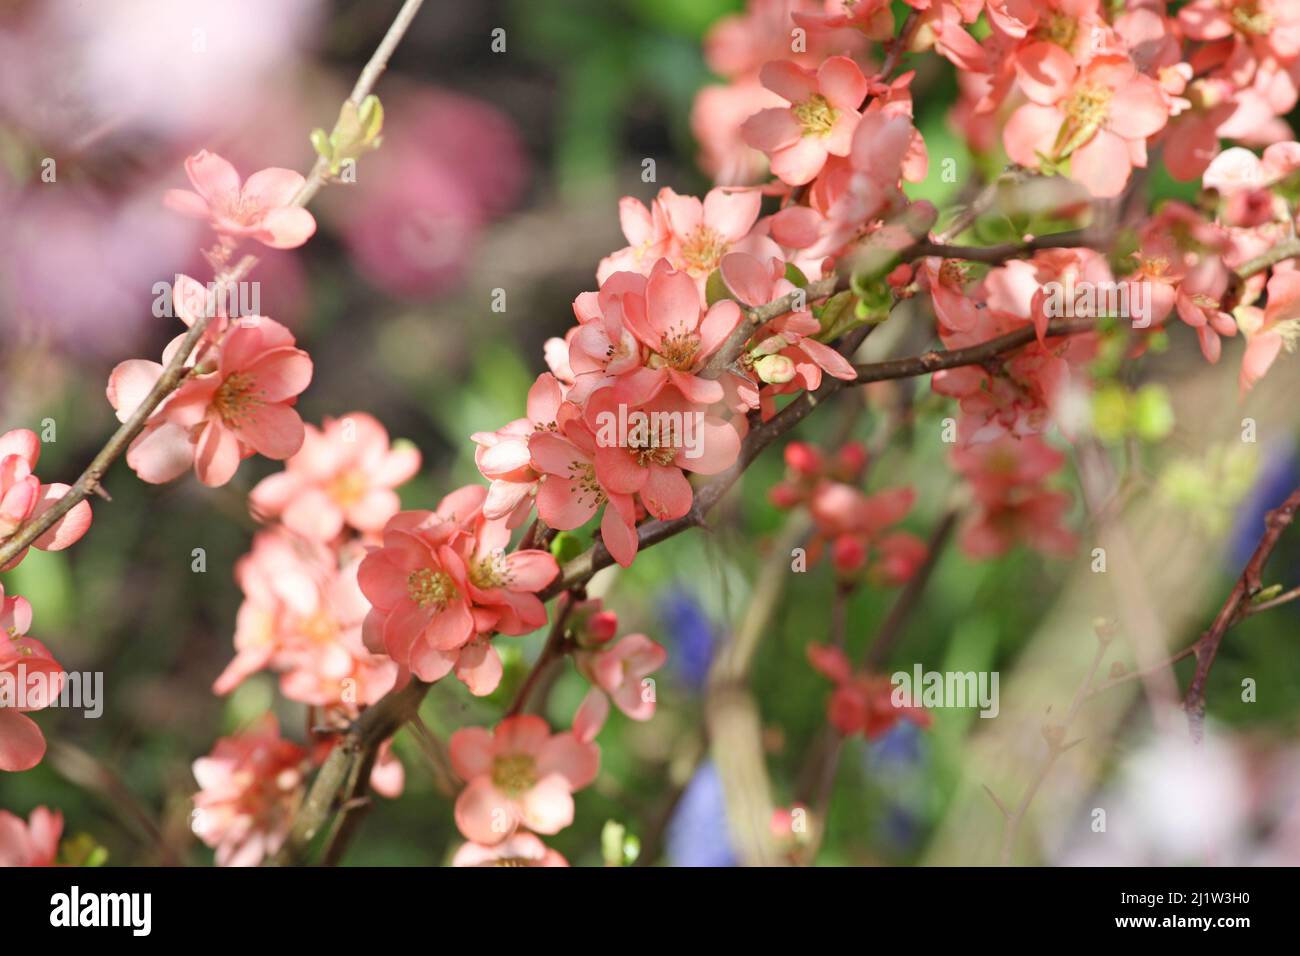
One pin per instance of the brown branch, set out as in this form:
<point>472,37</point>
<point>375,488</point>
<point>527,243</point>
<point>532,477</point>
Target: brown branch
<point>175,370</point>
<point>1234,609</point>
<point>556,647</point>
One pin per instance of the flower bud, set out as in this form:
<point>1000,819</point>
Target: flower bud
<point>774,369</point>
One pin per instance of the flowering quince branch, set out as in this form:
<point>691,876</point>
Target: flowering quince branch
<point>714,313</point>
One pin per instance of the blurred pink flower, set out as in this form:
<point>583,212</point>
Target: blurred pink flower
<point>250,788</point>
<point>23,497</point>
<point>34,843</point>
<point>520,849</point>
<point>344,474</point>
<point>22,745</point>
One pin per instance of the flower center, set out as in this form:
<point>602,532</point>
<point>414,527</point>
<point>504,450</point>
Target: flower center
<point>583,477</point>
<point>1061,30</point>
<point>514,774</point>
<point>678,350</point>
<point>348,488</point>
<point>430,588</point>
<point>703,250</point>
<point>236,399</point>
<point>490,571</point>
<point>815,115</point>
<point>320,628</point>
<point>1249,18</point>
<point>1085,111</point>
<point>659,448</point>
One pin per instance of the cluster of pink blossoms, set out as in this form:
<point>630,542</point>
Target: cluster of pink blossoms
<point>348,597</point>
<point>856,527</point>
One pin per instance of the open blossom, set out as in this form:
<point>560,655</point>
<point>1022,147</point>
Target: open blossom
<point>250,788</point>
<point>231,408</point>
<point>1099,116</point>
<point>441,578</point>
<point>262,208</point>
<point>343,475</point>
<point>34,843</point>
<point>819,122</point>
<point>1270,330</point>
<point>518,774</point>
<point>619,670</point>
<point>520,849</point>
<point>571,492</point>
<point>680,335</point>
<point>23,497</point>
<point>503,456</point>
<point>665,437</point>
<point>22,745</point>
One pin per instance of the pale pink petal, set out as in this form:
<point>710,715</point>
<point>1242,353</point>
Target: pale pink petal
<point>214,179</point>
<point>484,815</point>
<point>68,529</point>
<point>548,806</point>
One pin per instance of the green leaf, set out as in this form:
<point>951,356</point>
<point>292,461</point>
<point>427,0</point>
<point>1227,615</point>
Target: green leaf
<point>566,546</point>
<point>795,275</point>
<point>715,289</point>
<point>1152,414</point>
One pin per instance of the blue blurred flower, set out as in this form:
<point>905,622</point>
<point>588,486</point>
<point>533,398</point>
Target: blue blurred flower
<point>900,746</point>
<point>1278,477</point>
<point>689,634</point>
<point>697,832</point>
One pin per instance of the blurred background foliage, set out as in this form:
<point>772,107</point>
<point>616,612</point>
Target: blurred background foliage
<point>586,90</point>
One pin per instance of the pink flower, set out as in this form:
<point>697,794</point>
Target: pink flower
<point>1270,331</point>
<point>302,616</point>
<point>701,233</point>
<point>22,745</point>
<point>519,774</point>
<point>790,336</point>
<point>1099,116</point>
<point>344,474</point>
<point>571,492</point>
<point>1006,477</point>
<point>222,414</point>
<point>250,788</point>
<point>619,669</point>
<point>442,583</point>
<point>520,849</point>
<point>680,335</point>
<point>418,586</point>
<point>262,209</point>
<point>34,843</point>
<point>649,461</point>
<point>717,119</point>
<point>24,498</point>
<point>861,702</point>
<point>503,458</point>
<point>1199,303</point>
<point>503,583</point>
<point>819,122</point>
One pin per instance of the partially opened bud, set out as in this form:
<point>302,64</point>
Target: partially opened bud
<point>848,554</point>
<point>804,459</point>
<point>774,369</point>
